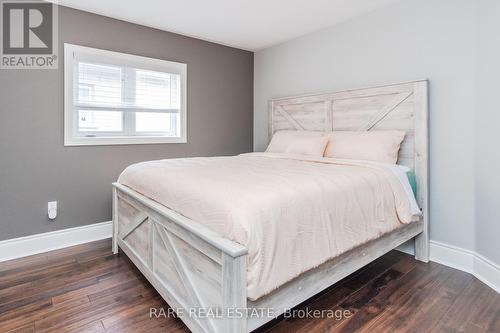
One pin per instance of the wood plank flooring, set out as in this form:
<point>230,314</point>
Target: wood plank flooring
<point>88,289</point>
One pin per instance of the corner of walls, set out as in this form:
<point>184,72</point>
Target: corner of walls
<point>487,126</point>
<point>464,260</point>
<point>37,168</point>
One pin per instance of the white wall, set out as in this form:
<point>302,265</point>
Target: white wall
<point>414,39</point>
<point>488,130</point>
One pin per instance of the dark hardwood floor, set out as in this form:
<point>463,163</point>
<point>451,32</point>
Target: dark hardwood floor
<point>88,289</point>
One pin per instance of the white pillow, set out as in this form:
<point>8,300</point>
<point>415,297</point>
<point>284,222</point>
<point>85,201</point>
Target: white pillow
<point>378,146</point>
<point>298,142</point>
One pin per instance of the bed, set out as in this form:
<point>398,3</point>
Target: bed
<point>211,248</point>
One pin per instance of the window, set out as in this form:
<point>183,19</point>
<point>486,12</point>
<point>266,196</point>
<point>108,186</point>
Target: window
<point>115,98</point>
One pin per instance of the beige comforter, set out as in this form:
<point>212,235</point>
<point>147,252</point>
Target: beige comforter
<point>292,213</point>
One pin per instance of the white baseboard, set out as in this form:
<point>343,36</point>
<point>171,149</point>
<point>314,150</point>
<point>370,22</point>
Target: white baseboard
<point>452,256</point>
<point>29,245</point>
<point>487,271</point>
<point>465,260</point>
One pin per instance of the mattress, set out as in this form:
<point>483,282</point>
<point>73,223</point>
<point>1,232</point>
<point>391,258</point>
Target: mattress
<point>292,213</point>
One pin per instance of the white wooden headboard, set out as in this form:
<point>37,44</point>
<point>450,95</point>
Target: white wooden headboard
<point>402,106</point>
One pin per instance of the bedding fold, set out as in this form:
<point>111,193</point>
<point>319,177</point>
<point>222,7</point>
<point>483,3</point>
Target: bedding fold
<point>292,213</point>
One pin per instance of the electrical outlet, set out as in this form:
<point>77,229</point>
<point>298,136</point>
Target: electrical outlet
<point>52,210</point>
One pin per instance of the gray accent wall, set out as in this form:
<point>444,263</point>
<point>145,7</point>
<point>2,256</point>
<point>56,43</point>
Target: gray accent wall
<point>453,43</point>
<point>35,167</point>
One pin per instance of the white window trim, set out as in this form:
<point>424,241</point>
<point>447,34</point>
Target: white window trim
<point>118,59</point>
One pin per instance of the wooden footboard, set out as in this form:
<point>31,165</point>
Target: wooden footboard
<point>201,275</point>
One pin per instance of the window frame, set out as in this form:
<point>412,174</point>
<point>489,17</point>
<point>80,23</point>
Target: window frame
<point>123,60</point>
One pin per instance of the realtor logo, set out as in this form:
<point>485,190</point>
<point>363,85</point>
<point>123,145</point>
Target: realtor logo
<point>29,38</point>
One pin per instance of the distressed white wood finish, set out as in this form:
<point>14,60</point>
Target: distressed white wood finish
<point>115,222</point>
<point>192,266</point>
<point>421,153</point>
<point>402,106</point>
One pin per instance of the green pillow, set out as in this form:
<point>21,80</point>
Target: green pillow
<point>413,181</point>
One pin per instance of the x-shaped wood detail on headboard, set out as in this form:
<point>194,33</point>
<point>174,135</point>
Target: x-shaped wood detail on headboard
<point>387,109</point>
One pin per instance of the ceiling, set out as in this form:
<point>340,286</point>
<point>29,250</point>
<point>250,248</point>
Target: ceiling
<point>246,24</point>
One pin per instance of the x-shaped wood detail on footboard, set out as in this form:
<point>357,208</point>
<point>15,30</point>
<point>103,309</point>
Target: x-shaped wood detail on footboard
<point>181,268</point>
<point>188,273</point>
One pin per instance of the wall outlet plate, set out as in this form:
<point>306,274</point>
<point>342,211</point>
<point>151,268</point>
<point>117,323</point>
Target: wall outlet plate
<point>52,209</point>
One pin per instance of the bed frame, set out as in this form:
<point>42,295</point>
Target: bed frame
<point>196,270</point>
